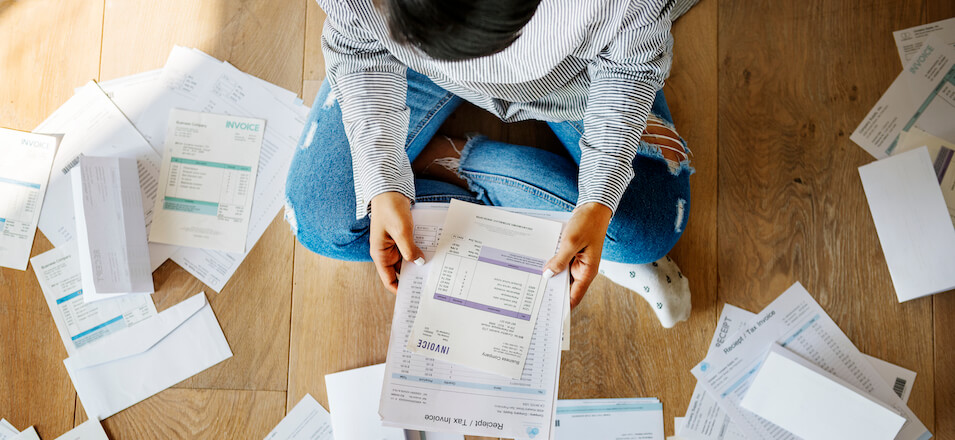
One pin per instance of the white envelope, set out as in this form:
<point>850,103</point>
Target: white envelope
<point>27,434</point>
<point>129,366</point>
<point>89,430</point>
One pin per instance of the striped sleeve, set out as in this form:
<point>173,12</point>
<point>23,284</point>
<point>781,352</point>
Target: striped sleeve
<point>370,86</point>
<point>623,82</point>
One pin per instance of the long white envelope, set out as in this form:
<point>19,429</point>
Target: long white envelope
<point>123,369</point>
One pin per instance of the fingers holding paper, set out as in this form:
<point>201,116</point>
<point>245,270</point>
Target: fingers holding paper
<point>392,237</point>
<point>580,248</point>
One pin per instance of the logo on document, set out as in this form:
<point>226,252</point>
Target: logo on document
<point>533,431</point>
<point>704,366</point>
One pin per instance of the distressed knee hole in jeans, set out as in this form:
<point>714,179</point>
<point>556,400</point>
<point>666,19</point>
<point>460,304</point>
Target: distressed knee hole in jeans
<point>661,141</point>
<point>680,214</point>
<point>310,135</point>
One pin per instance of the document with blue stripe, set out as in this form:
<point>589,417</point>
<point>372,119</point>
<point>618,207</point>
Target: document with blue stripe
<point>207,180</point>
<point>25,161</point>
<point>617,419</point>
<point>80,323</point>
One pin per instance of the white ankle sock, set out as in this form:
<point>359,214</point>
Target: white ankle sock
<point>660,283</point>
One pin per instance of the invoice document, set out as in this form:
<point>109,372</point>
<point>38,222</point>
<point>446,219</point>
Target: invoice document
<point>306,421</point>
<point>351,399</point>
<point>909,41</point>
<point>425,393</point>
<point>207,180</point>
<point>88,430</point>
<point>25,161</point>
<point>941,152</point>
<point>110,228</point>
<point>89,124</point>
<point>482,295</point>
<point>807,401</point>
<point>617,419</point>
<point>78,322</point>
<point>913,223</point>
<point>796,322</point>
<point>194,81</point>
<point>922,96</point>
<point>131,365</point>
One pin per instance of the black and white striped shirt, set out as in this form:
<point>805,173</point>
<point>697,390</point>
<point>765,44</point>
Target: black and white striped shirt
<point>597,60</point>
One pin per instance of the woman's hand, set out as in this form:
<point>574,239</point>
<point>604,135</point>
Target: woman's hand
<point>580,247</point>
<point>392,237</point>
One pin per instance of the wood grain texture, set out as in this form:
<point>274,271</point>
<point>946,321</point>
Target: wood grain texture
<point>35,38</point>
<point>791,203</point>
<point>263,38</point>
<point>189,414</point>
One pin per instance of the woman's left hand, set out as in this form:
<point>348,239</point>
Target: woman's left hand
<point>581,246</point>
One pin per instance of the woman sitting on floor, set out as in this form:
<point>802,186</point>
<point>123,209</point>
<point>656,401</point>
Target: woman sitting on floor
<point>594,70</point>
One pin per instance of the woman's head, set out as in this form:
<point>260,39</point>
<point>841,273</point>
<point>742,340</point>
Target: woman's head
<point>454,30</point>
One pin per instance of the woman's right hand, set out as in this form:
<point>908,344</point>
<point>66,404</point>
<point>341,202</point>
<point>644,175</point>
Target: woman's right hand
<point>392,237</point>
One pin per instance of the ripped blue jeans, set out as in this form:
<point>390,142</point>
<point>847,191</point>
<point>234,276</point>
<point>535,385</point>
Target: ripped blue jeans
<point>320,196</point>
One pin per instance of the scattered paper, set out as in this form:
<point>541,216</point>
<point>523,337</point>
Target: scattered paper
<point>941,153</point>
<point>127,367</point>
<point>110,228</point>
<point>909,41</point>
<point>89,430</point>
<point>484,290</point>
<point>80,323</point>
<point>351,399</point>
<point>814,405</point>
<point>796,322</point>
<point>24,173</point>
<point>27,434</point>
<point>622,419</point>
<point>91,125</point>
<point>922,96</point>
<point>207,181</point>
<point>914,227</point>
<point>900,379</point>
<point>7,431</point>
<point>307,421</point>
<point>423,393</point>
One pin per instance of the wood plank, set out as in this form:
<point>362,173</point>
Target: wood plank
<point>791,203</point>
<point>314,61</point>
<point>263,38</point>
<point>35,39</point>
<point>191,414</point>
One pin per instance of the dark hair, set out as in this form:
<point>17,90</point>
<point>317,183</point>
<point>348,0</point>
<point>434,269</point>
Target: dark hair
<point>454,30</point>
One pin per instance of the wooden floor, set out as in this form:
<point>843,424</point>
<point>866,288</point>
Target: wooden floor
<point>765,92</point>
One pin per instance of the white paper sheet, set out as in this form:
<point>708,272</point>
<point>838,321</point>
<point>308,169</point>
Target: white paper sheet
<point>89,430</point>
<point>27,434</point>
<point>91,125</point>
<point>7,431</point>
<point>25,161</point>
<point>814,405</point>
<point>207,181</point>
<point>351,399</point>
<point>913,223</point>
<point>485,287</point>
<point>127,367</point>
<point>80,323</point>
<point>922,96</point>
<point>704,419</point>
<point>307,421</point>
<point>110,228</point>
<point>909,41</point>
<point>430,394</point>
<point>942,153</point>
<point>799,324</point>
<point>618,419</point>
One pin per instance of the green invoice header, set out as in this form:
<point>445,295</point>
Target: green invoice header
<point>242,125</point>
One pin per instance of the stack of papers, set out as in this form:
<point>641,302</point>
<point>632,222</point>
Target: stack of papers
<point>89,430</point>
<point>24,172</point>
<point>912,193</point>
<point>423,393</point>
<point>129,117</point>
<point>307,421</point>
<point>809,350</point>
<point>609,419</point>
